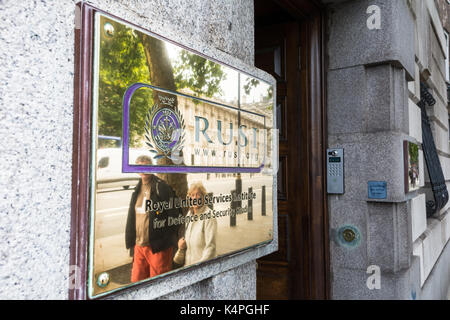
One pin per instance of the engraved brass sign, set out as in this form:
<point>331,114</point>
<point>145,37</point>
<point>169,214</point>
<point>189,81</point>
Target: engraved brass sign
<point>412,176</point>
<point>182,168</point>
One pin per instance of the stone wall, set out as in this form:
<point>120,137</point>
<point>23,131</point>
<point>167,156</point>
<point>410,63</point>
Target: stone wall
<point>444,13</point>
<point>373,90</point>
<point>431,235</point>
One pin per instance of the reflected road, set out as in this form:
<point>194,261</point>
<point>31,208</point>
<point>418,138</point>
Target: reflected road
<point>112,210</point>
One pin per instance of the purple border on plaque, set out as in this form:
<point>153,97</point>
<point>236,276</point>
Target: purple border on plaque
<point>127,168</point>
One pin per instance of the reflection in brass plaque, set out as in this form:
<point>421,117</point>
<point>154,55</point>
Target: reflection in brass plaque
<point>411,151</point>
<point>182,169</point>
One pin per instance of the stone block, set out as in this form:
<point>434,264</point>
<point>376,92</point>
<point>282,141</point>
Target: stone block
<point>446,228</point>
<point>439,114</point>
<point>351,43</point>
<point>418,252</point>
<point>384,237</point>
<point>372,157</point>
<point>437,284</point>
<point>370,99</point>
<point>440,136</point>
<point>438,56</point>
<point>415,121</point>
<point>414,85</point>
<point>348,213</point>
<point>219,288</point>
<point>445,163</point>
<point>389,242</point>
<point>433,243</point>
<point>352,284</point>
<point>418,216</point>
<point>436,81</point>
<point>347,100</point>
<point>422,43</point>
<point>387,99</point>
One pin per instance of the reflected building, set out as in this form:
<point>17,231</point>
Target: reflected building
<point>220,136</point>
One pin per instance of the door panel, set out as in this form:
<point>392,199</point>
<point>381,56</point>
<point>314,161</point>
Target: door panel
<point>282,179</point>
<point>270,58</point>
<point>277,52</point>
<point>281,118</point>
<point>289,45</point>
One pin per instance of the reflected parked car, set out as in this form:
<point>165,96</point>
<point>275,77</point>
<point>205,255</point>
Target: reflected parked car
<point>109,168</point>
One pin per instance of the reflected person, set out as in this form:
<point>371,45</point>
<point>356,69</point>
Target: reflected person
<point>199,242</point>
<point>151,248</point>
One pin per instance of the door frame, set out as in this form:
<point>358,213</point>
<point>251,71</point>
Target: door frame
<point>314,280</point>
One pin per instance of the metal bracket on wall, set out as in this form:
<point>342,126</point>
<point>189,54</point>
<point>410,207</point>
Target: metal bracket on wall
<point>434,167</point>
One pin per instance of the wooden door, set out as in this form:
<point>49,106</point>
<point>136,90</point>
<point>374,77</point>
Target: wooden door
<point>289,49</point>
<point>276,51</point>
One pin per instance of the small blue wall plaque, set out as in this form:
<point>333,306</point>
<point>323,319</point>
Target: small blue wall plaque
<point>377,189</point>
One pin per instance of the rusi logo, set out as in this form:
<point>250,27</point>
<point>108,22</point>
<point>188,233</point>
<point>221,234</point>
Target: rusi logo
<point>242,137</point>
<point>231,144</point>
<point>164,131</point>
<point>220,138</point>
<point>167,100</point>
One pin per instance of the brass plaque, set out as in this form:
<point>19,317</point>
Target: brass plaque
<point>412,173</point>
<point>182,168</point>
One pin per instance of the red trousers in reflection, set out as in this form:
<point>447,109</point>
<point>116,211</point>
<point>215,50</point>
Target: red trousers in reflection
<point>148,264</point>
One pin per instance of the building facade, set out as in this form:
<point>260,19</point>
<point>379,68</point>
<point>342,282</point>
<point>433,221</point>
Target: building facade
<point>366,76</point>
<point>379,83</point>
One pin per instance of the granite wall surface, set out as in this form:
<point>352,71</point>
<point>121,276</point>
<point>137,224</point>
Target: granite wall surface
<point>373,88</point>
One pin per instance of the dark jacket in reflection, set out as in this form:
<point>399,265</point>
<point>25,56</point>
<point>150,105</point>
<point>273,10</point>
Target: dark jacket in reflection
<point>159,238</point>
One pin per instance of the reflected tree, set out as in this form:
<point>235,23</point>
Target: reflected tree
<point>200,75</point>
<point>122,63</point>
<point>161,75</point>
<point>252,83</point>
<point>128,56</point>
<point>191,71</point>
